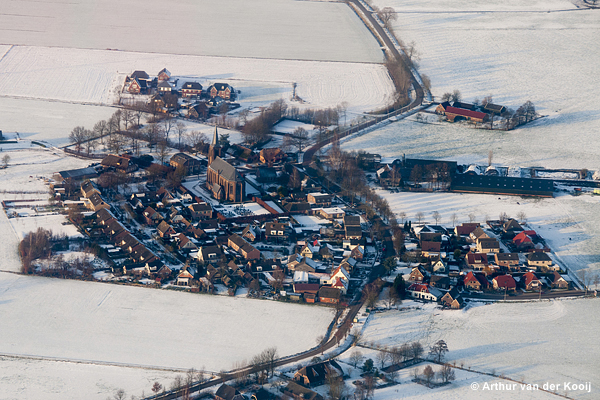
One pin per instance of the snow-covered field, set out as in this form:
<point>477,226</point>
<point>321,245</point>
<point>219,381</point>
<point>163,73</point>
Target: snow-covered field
<point>91,76</point>
<point>256,29</point>
<point>570,225</point>
<point>538,342</point>
<point>515,51</point>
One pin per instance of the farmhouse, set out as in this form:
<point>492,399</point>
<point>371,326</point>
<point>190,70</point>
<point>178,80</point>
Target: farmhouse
<point>454,114</point>
<point>222,90</point>
<point>317,374</point>
<point>502,185</point>
<point>118,163</point>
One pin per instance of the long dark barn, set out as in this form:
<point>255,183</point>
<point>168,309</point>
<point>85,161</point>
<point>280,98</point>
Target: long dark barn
<point>502,185</point>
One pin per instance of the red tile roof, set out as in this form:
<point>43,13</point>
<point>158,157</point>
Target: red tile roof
<point>465,113</point>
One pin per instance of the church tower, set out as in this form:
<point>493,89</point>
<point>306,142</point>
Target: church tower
<point>214,150</point>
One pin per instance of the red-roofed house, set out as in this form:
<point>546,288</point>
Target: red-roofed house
<point>466,228</point>
<point>475,281</point>
<point>456,114</point>
<point>504,282</point>
<point>531,282</point>
<point>522,241</point>
<point>424,292</point>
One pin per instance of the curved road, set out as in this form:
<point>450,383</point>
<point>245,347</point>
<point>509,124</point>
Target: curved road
<point>392,52</point>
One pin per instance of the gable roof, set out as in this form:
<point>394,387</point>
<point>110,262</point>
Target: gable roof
<point>465,113</point>
<point>505,281</point>
<point>538,256</point>
<point>192,86</point>
<point>530,277</point>
<point>224,169</point>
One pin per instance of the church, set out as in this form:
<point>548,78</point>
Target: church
<point>222,179</point>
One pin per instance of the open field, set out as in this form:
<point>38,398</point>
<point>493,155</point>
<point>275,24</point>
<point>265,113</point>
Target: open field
<point>258,29</point>
<point>516,52</point>
<point>539,342</point>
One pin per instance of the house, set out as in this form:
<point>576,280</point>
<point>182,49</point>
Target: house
<point>212,254</point>
<point>478,233</point>
<point>452,299</point>
<point>539,259</point>
<point>164,87</point>
<point>358,253</point>
<point>439,281</point>
<point>504,282</point>
<point>308,290</point>
<point>508,260</point>
<point>348,264</point>
<point>251,233</point>
<point>475,281</point>
<point>88,189</point>
<point>226,392</point>
<point>424,292</point>
<point>523,242</point>
<point>184,243</point>
<point>352,231</point>
<point>308,250</point>
<point>191,89</point>
<point>164,75</point>
<point>184,278</point>
<point>222,90</point>
<point>466,228</point>
<point>329,295</point>
<point>488,245</point>
<point>137,86</point>
<point>319,199</point>
<point>297,207</point>
<point>477,261</point>
<point>438,266</point>
<point>199,211</point>
<point>95,203</point>
<point>199,111</point>
<point>511,226</point>
<point>494,108</point>
<point>389,176</point>
<point>331,213</point>
<point>454,114</point>
<point>416,275</point>
<point>317,374</point>
<point>297,392</point>
<point>531,282</point>
<point>191,164</point>
<point>224,182</point>
<point>118,163</point>
<point>264,174</point>
<point>558,281</point>
<point>271,156</point>
<point>152,216</point>
<point>430,248</point>
<point>165,230</point>
<point>237,243</point>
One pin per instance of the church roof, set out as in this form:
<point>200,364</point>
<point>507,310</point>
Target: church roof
<point>224,169</point>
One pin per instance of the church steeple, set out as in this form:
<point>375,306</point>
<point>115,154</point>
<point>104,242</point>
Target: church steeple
<point>214,149</point>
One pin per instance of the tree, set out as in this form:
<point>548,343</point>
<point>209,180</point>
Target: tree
<point>163,150</point>
<point>269,357</point>
<point>157,387</point>
<point>168,122</point>
<point>428,374</point>
<point>387,15</point>
<point>436,216</point>
<point>119,395</point>
<point>399,287</point>
<point>336,386</point>
<point>196,139</point>
<point>456,96</point>
<point>383,356</point>
<point>447,373</point>
<point>128,118</point>
<point>420,217</point>
<point>454,219</point>
<point>416,350</point>
<point>100,129</point>
<point>389,264</point>
<point>224,140</point>
<point>368,365</point>
<point>490,157</point>
<point>5,160</point>
<point>78,136</point>
<point>355,358</point>
<point>299,138</point>
<point>89,140</point>
<point>402,216</point>
<point>522,216</point>
<point>439,350</point>
<point>503,217</point>
<point>472,217</point>
<point>179,130</point>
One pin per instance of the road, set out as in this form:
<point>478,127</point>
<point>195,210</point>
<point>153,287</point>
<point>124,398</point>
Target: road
<point>392,52</point>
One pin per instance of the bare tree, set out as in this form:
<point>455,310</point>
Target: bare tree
<point>472,217</point>
<point>356,358</point>
<point>157,387</point>
<point>168,122</point>
<point>119,395</point>
<point>78,136</point>
<point>100,129</point>
<point>522,216</point>
<point>196,138</point>
<point>128,118</point>
<point>436,216</point>
<point>5,160</point>
<point>416,350</point>
<point>387,15</point>
<point>300,138</point>
<point>163,150</point>
<point>447,373</point>
<point>420,216</point>
<point>402,216</point>
<point>382,357</point>
<point>503,217</point>
<point>336,386</point>
<point>490,157</point>
<point>90,143</point>
<point>454,219</point>
<point>179,130</point>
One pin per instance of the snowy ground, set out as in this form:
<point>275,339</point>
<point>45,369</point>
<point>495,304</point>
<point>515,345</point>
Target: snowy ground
<point>539,342</point>
<point>570,225</point>
<point>515,51</point>
<point>258,29</point>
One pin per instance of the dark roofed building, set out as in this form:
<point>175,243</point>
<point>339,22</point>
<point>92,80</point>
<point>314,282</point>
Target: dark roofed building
<point>494,108</point>
<point>316,374</point>
<point>456,114</point>
<point>120,164</point>
<point>298,392</point>
<point>502,185</point>
<point>225,182</point>
<point>191,164</point>
<point>222,90</point>
<point>226,392</point>
<point>79,174</point>
<point>191,89</point>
